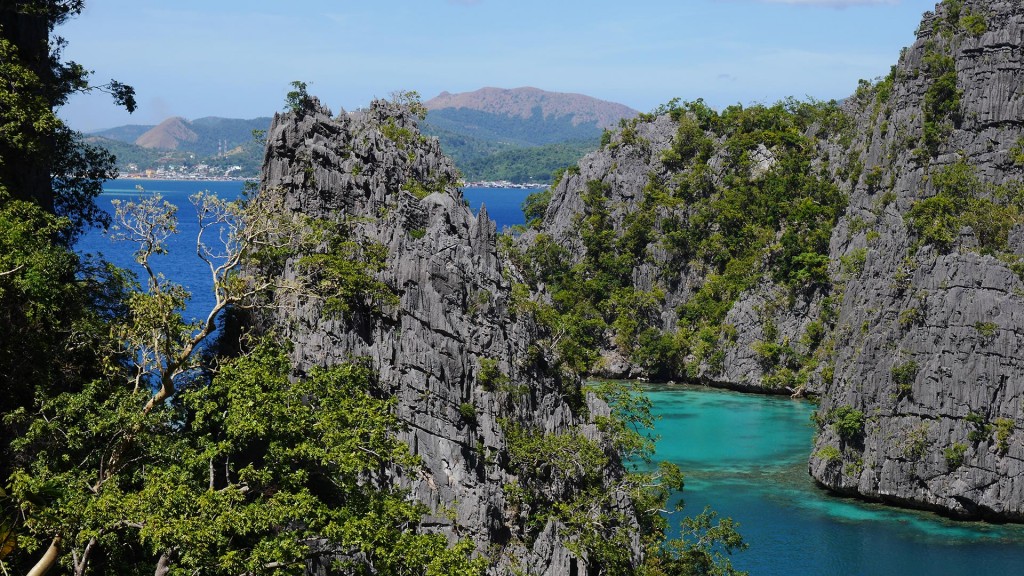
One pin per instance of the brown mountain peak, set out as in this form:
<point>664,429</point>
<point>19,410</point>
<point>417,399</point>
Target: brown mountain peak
<point>168,135</point>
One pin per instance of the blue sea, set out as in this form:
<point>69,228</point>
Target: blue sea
<point>744,455</point>
<point>181,263</point>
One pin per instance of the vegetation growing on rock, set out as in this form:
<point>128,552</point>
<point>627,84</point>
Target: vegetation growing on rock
<point>736,199</point>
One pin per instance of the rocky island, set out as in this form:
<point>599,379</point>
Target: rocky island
<point>797,248</point>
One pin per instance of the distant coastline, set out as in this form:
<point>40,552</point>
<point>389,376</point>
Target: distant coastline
<point>504,184</point>
<point>137,176</point>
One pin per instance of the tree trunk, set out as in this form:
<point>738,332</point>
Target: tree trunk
<point>48,560</point>
<point>163,566</point>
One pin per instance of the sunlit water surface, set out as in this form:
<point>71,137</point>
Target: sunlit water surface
<point>746,456</point>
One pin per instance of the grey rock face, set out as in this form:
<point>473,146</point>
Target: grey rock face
<point>374,171</point>
<point>626,167</point>
<point>932,435</point>
<point>928,346</point>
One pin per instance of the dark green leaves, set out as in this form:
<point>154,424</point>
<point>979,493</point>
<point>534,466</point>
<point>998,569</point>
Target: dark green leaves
<point>342,270</point>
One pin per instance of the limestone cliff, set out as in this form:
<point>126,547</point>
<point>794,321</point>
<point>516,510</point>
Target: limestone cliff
<point>930,340</point>
<point>681,194</point>
<point>913,335</point>
<point>450,350</point>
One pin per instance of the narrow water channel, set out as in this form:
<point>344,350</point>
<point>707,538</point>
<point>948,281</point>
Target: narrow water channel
<point>746,456</point>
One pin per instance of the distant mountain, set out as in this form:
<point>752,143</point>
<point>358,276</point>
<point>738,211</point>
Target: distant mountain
<point>532,103</point>
<point>220,143</point>
<point>170,134</point>
<point>506,134</point>
<point>204,136</point>
<point>127,134</point>
<point>523,134</point>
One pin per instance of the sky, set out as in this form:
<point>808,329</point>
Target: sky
<point>236,58</point>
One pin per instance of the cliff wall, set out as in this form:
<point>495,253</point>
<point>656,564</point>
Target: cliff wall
<point>929,340</point>
<point>457,360</point>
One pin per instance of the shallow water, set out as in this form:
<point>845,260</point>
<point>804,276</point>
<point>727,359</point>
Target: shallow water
<point>746,456</point>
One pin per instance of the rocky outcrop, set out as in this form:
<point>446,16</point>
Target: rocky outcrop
<point>930,340</point>
<point>917,342</point>
<point>450,349</point>
<point>635,166</point>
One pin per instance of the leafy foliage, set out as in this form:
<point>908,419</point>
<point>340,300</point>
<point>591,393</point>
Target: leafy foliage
<point>1004,429</point>
<point>490,376</point>
<point>535,205</point>
<point>297,99</point>
<point>218,486</point>
<point>52,327</point>
<point>847,421</point>
<point>956,19</point>
<point>941,107</point>
<point>903,375</point>
<point>563,479</point>
<point>163,459</point>
<point>41,159</point>
<point>961,199</point>
<point>766,211</point>
<point>981,430</point>
<point>830,454</point>
<point>342,270</point>
<point>955,455</point>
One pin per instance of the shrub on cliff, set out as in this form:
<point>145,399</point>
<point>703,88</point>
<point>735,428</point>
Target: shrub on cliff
<point>962,200</point>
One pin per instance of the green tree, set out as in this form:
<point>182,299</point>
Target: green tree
<point>163,462</point>
<point>535,205</point>
<point>41,160</point>
<point>298,98</point>
<point>48,182</point>
<point>218,487</point>
<point>962,199</point>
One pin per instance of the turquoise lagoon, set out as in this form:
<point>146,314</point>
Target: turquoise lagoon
<point>746,456</point>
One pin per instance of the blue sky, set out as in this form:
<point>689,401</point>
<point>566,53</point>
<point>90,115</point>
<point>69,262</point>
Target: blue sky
<point>235,58</point>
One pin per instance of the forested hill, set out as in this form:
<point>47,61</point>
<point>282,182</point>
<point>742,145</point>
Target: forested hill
<point>225,145</point>
<point>526,102</point>
<point>518,134</point>
<point>203,136</point>
<point>521,135</point>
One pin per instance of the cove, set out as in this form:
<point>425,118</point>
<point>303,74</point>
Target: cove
<point>745,455</point>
